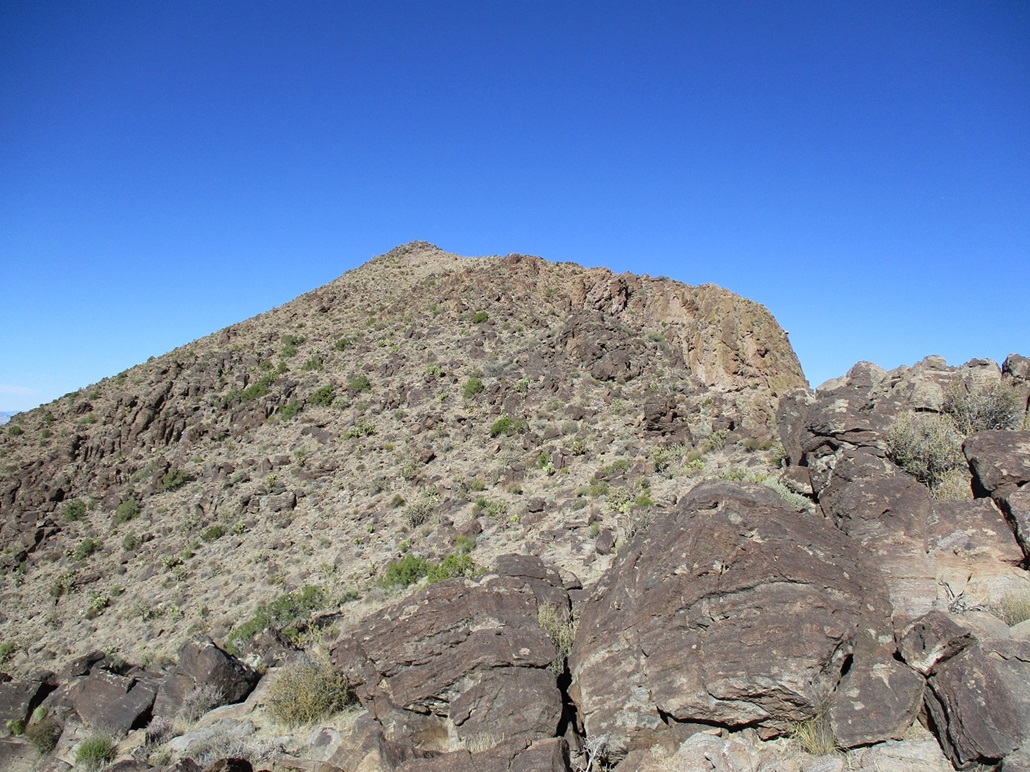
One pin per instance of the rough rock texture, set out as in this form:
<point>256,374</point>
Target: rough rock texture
<point>461,666</point>
<point>734,611</point>
<point>202,662</point>
<point>112,703</point>
<point>1000,460</point>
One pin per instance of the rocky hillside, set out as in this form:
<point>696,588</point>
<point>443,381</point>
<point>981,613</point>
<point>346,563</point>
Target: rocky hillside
<point>498,513</point>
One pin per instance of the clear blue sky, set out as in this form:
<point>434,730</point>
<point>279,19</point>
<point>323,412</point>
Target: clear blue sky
<point>170,168</point>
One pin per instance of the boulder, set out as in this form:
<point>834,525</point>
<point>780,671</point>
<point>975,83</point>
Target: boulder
<point>732,611</point>
<point>923,755</point>
<point>202,663</point>
<point>19,698</point>
<point>875,701</point>
<point>1016,506</point>
<point>112,703</point>
<point>461,665</point>
<point>999,460</point>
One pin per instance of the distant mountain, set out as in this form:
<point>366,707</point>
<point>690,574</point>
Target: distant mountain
<point>5,417</point>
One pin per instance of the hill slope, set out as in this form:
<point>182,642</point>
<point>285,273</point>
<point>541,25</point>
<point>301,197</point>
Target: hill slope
<point>533,406</point>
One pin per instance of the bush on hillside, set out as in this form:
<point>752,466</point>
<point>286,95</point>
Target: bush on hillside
<point>979,408</point>
<point>926,445</point>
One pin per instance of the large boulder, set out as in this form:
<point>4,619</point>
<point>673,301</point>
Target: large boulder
<point>112,703</point>
<point>203,665</point>
<point>462,666</point>
<point>999,460</point>
<point>732,611</point>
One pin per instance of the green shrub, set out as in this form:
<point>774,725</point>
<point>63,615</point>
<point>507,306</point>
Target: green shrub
<point>925,445</point>
<point>126,511</point>
<point>506,425</point>
<point>175,478</point>
<point>313,364</point>
<point>217,531</point>
<point>342,344</point>
<point>557,623</point>
<point>359,383</point>
<point>257,389</point>
<point>471,387</point>
<point>479,317</point>
<point>289,348</point>
<point>361,430</point>
<point>307,689</point>
<point>283,613</point>
<point>6,652</point>
<point>411,568</point>
<point>131,542</point>
<point>979,408</point>
<point>435,371</point>
<point>95,752</point>
<point>420,511</point>
<point>87,547</point>
<point>324,396</point>
<point>73,510</point>
<point>43,734</point>
<point>289,411</point>
<point>464,545</point>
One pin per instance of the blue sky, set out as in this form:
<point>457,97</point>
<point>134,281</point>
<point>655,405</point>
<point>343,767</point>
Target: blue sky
<point>168,169</point>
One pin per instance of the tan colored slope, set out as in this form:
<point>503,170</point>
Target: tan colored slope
<point>614,379</point>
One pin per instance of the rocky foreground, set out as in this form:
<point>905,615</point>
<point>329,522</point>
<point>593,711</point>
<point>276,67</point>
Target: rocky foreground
<point>880,628</point>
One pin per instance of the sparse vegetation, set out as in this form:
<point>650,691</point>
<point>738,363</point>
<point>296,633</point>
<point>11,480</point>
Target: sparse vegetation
<point>175,478</point>
<point>323,396</point>
<point>358,384</point>
<point>6,652</point>
<point>95,752</point>
<point>558,624</point>
<point>1013,608</point>
<point>980,408</point>
<point>87,547</point>
<point>216,531</point>
<point>411,568</point>
<point>815,736</point>
<point>43,733</point>
<point>506,425</point>
<point>290,410</point>
<point>126,511</point>
<point>479,317</point>
<point>925,445</point>
<point>73,511</point>
<point>284,613</point>
<point>471,388</point>
<point>306,689</point>
<point>360,430</point>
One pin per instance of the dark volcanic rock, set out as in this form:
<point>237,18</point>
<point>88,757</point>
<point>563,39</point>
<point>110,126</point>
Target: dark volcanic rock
<point>203,663</point>
<point>999,460</point>
<point>110,702</point>
<point>461,666</point>
<point>732,611</point>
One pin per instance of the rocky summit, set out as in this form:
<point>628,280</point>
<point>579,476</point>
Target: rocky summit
<point>500,513</point>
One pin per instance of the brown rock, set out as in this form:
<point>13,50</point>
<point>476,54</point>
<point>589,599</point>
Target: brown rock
<point>461,665</point>
<point>733,611</point>
<point>999,460</point>
<point>203,663</point>
<point>931,639</point>
<point>111,702</point>
<point>875,702</point>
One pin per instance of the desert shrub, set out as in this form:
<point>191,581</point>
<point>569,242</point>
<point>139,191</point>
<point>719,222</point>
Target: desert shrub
<point>471,388</point>
<point>1013,608</point>
<point>63,584</point>
<point>342,344</point>
<point>199,700</point>
<point>979,408</point>
<point>361,430</point>
<point>289,347</point>
<point>290,409</point>
<point>283,613</point>
<point>95,752</point>
<point>73,510</point>
<point>557,623</point>
<point>15,431</point>
<point>815,736</point>
<point>435,371</point>
<point>307,689</point>
<point>175,478</point>
<point>795,501</point>
<point>6,652</point>
<point>925,445</point>
<point>506,425</point>
<point>479,317</point>
<point>216,531</point>
<point>313,364</point>
<point>464,544</point>
<point>126,511</point>
<point>257,389</point>
<point>130,542</point>
<point>323,396</point>
<point>411,568</point>
<point>358,384</point>
<point>955,485</point>
<point>420,511</point>
<point>87,547</point>
<point>43,734</point>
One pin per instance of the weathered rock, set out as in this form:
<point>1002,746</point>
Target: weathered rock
<point>17,755</point>
<point>902,756</point>
<point>935,637</point>
<point>111,702</point>
<point>888,517</point>
<point>972,708</point>
<point>999,460</point>
<point>460,665</point>
<point>739,752</point>
<point>203,663</point>
<point>1016,506</point>
<point>18,698</point>
<point>875,701</point>
<point>732,610</point>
